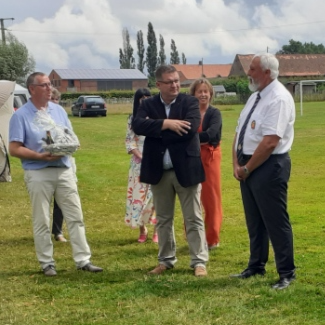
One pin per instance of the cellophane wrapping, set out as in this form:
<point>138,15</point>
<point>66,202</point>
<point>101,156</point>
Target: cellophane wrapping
<point>58,139</point>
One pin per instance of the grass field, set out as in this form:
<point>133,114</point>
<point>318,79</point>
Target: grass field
<point>123,294</point>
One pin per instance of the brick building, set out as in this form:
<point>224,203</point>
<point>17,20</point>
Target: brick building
<point>90,80</point>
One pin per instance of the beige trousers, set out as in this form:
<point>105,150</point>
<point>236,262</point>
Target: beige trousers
<point>42,184</point>
<point>164,196</point>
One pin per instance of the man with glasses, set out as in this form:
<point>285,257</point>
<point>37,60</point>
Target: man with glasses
<point>46,175</point>
<point>171,163</point>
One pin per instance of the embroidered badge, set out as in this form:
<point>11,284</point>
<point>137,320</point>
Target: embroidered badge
<point>239,147</point>
<point>253,124</point>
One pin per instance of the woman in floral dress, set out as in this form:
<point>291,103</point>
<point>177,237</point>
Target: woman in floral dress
<point>139,204</point>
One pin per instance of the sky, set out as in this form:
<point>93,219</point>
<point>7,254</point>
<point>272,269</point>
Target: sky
<point>87,34</point>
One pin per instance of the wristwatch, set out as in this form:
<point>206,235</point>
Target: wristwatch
<point>246,171</point>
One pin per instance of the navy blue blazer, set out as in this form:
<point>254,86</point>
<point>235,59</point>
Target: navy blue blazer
<point>184,150</point>
<point>211,127</point>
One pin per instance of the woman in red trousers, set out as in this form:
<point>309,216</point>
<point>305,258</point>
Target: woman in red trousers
<point>210,136</point>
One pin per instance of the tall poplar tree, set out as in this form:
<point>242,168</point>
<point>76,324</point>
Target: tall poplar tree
<point>151,58</point>
<point>183,58</point>
<point>140,46</point>
<point>162,55</point>
<point>126,54</point>
<point>174,56</point>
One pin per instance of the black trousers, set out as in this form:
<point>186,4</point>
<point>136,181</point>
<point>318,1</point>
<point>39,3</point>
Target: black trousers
<point>57,220</point>
<point>264,195</point>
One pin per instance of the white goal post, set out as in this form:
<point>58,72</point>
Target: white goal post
<point>301,82</point>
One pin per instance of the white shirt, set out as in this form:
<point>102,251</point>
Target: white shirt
<point>167,162</point>
<point>274,115</point>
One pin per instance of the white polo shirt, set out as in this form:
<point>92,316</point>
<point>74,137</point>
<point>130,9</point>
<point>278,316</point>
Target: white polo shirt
<point>274,115</point>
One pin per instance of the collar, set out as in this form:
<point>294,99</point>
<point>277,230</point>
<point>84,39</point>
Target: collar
<point>169,103</point>
<point>264,92</point>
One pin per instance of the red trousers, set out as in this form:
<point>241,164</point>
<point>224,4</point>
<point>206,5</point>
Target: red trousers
<point>211,192</point>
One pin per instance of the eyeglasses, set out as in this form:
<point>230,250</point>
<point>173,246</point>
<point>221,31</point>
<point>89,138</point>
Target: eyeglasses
<point>169,82</point>
<point>44,85</point>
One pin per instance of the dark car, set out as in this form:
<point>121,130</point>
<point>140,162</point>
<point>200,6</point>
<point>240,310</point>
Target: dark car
<point>89,106</point>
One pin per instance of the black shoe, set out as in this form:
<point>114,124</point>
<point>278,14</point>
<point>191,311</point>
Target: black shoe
<point>283,283</point>
<point>91,268</point>
<point>248,273</point>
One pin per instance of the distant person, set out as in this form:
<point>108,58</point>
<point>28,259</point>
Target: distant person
<point>139,204</point>
<point>47,175</point>
<point>262,165</point>
<point>57,212</point>
<point>210,136</point>
<point>171,163</point>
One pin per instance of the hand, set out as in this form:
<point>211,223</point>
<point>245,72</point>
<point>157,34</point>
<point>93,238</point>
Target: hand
<point>178,126</point>
<point>137,156</point>
<point>237,173</point>
<point>47,156</point>
<point>240,173</point>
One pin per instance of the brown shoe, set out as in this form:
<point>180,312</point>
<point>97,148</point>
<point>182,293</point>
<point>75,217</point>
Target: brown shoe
<point>60,238</point>
<point>161,268</point>
<point>200,271</point>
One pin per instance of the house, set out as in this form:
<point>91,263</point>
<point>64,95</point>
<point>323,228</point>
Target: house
<point>189,72</point>
<point>294,87</point>
<point>91,80</point>
<point>290,65</point>
<point>219,90</point>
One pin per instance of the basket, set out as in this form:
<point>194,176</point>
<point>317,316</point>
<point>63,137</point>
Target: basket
<point>58,149</point>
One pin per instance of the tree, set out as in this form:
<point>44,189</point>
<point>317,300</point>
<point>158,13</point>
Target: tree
<point>243,89</point>
<point>140,46</point>
<point>126,55</point>
<point>162,55</point>
<point>183,58</point>
<point>174,56</point>
<point>15,61</point>
<point>151,59</point>
<point>296,47</point>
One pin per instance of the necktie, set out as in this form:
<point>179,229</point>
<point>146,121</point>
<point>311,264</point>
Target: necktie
<point>243,129</point>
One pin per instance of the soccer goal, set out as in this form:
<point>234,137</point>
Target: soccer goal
<point>301,82</point>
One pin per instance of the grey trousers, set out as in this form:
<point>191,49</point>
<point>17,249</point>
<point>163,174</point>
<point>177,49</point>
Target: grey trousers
<point>164,195</point>
<point>42,184</point>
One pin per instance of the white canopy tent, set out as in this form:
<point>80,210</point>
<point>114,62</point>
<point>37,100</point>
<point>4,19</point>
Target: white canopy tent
<point>6,108</point>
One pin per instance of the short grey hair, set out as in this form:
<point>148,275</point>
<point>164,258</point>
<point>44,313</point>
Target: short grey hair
<point>269,61</point>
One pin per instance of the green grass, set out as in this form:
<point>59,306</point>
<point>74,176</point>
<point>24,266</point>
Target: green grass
<point>123,293</point>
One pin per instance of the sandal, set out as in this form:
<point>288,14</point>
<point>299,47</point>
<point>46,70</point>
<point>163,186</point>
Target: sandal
<point>155,238</point>
<point>143,237</point>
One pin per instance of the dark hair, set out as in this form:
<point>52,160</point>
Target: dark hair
<point>137,96</point>
<point>165,68</point>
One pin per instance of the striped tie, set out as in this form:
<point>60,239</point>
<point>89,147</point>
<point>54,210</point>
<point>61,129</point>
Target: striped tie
<point>243,130</point>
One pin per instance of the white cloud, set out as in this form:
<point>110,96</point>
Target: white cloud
<point>88,34</point>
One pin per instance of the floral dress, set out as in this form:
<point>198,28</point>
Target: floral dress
<point>139,203</point>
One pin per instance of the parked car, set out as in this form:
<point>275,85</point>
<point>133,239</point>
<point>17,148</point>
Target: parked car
<point>89,105</point>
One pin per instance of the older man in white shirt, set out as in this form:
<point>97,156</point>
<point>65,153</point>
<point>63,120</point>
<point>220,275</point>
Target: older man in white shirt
<point>261,163</point>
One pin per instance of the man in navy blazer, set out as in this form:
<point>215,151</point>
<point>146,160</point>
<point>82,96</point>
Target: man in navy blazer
<point>171,163</point>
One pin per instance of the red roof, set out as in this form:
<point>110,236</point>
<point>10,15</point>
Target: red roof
<point>195,71</point>
<point>290,65</point>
